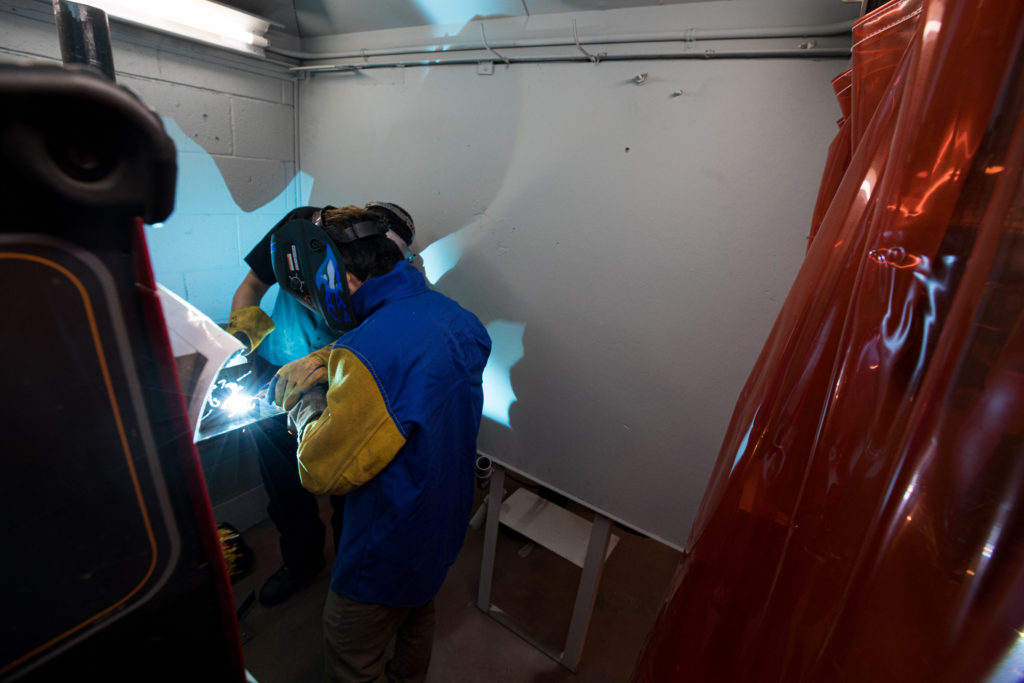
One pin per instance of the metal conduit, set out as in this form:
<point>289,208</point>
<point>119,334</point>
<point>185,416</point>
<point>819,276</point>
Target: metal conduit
<point>84,36</point>
<point>688,35</point>
<point>709,54</point>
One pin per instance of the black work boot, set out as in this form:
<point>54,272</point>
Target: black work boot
<point>286,581</point>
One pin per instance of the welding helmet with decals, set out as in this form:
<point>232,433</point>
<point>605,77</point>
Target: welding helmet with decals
<point>309,266</point>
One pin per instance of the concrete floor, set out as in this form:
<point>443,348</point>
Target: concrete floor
<point>282,644</point>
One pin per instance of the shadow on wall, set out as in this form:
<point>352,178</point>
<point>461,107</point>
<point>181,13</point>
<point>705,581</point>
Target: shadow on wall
<point>198,251</point>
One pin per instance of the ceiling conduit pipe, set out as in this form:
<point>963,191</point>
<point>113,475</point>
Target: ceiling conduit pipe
<point>708,54</point>
<point>686,36</point>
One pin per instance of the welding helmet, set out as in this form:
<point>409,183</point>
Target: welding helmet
<point>309,266</point>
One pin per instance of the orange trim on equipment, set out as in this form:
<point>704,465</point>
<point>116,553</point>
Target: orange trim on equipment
<point>124,444</point>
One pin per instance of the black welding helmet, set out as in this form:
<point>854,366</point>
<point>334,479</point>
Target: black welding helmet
<point>309,267</point>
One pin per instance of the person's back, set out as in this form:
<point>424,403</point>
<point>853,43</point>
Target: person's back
<point>395,431</point>
<point>426,355</point>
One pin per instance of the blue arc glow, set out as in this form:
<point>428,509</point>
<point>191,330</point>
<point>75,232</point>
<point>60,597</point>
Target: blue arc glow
<point>742,450</point>
<point>196,251</point>
<point>506,350</point>
<point>457,11</point>
<point>442,255</point>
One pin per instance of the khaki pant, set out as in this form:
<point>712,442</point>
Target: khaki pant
<point>357,635</point>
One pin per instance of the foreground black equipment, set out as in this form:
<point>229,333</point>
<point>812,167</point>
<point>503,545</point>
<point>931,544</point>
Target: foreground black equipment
<point>111,560</point>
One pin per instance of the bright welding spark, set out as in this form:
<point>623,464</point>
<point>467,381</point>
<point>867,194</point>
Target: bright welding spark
<point>237,402</point>
<point>911,488</point>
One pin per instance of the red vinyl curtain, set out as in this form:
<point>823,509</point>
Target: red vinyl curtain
<point>865,517</point>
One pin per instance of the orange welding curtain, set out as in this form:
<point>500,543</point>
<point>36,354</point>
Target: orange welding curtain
<point>865,518</point>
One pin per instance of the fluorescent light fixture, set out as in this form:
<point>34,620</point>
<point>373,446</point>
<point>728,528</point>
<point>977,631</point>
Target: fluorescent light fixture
<point>201,20</point>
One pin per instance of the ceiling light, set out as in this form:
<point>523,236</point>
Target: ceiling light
<point>201,20</point>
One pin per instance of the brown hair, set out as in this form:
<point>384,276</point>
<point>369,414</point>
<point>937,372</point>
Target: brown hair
<point>366,257</point>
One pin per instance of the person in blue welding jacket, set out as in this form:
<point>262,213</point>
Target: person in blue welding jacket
<point>291,332</point>
<point>394,430</point>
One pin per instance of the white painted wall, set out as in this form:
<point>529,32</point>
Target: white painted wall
<point>233,120</point>
<point>646,241</point>
<point>647,279</point>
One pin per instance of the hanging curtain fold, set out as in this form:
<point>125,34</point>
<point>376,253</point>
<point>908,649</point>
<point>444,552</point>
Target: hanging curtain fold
<point>865,517</point>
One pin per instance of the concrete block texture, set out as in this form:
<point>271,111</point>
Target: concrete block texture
<point>222,78</point>
<point>254,181</point>
<point>263,130</point>
<point>195,242</point>
<point>27,30</point>
<point>252,227</point>
<point>205,116</point>
<point>23,36</point>
<point>211,290</point>
<point>232,121</point>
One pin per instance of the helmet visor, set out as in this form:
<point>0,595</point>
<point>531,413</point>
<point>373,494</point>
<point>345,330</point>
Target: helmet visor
<point>309,267</point>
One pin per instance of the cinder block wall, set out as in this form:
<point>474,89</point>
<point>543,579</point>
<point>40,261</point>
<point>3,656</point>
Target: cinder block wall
<point>232,119</point>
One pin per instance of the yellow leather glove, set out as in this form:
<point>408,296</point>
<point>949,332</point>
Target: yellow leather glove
<point>298,377</point>
<point>250,325</point>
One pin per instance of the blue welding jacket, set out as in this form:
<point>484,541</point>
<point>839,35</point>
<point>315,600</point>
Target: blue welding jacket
<point>404,527</point>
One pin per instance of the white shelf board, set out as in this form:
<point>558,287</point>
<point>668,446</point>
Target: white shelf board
<point>562,532</point>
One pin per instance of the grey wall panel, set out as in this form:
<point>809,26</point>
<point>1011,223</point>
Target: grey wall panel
<point>642,242</point>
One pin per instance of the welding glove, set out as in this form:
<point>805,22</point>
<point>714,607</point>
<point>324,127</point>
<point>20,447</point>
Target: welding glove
<point>296,378</point>
<point>307,409</point>
<point>250,325</point>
